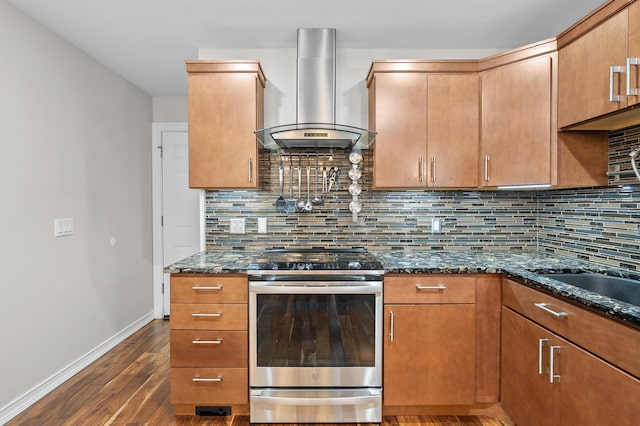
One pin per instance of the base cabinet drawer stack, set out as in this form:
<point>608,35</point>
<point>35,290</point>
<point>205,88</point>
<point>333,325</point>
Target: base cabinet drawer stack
<point>209,342</point>
<point>563,365</point>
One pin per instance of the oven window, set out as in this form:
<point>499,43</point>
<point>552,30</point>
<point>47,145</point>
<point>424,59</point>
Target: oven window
<point>315,330</point>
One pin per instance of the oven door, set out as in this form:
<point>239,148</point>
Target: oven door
<point>315,334</point>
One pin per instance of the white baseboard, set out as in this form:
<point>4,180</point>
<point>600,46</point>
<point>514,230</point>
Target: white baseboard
<point>39,391</point>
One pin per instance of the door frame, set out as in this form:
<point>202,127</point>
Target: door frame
<point>157,129</point>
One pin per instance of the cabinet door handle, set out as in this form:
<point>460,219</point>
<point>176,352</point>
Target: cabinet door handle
<point>207,379</point>
<point>543,306</point>
<point>631,91</point>
<point>392,323</point>
<point>614,69</point>
<point>250,169</point>
<point>199,315</point>
<point>486,168</point>
<point>202,287</point>
<point>431,287</point>
<point>433,169</point>
<point>553,378</point>
<point>207,342</point>
<point>541,343</point>
<point>420,168</point>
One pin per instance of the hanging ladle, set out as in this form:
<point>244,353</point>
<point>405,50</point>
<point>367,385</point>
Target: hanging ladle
<point>317,200</point>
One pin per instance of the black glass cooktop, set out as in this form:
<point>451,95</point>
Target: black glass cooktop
<point>320,259</point>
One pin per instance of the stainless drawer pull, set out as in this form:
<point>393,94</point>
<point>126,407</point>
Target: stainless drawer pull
<point>199,287</point>
<point>206,342</point>
<point>553,378</point>
<point>205,379</point>
<point>543,306</point>
<point>541,343</point>
<point>614,69</point>
<point>199,315</point>
<point>631,91</point>
<point>486,168</point>
<point>431,287</point>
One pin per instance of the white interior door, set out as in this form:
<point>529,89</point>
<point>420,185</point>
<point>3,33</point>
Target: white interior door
<point>181,207</point>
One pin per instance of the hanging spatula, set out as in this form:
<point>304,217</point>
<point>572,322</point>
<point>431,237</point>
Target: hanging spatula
<point>280,202</point>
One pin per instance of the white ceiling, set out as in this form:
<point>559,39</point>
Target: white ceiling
<point>147,41</point>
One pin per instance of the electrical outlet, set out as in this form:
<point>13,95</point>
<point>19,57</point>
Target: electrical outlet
<point>236,226</point>
<point>436,225</point>
<point>262,225</point>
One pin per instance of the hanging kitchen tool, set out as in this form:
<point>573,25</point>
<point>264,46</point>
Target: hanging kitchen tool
<point>317,200</point>
<point>301,203</point>
<point>281,204</point>
<point>308,206</point>
<point>291,202</point>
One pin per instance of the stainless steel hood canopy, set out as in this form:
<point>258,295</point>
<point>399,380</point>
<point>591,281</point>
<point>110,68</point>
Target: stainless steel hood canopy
<point>315,126</point>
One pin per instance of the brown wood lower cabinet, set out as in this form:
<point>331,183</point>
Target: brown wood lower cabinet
<point>440,341</point>
<point>549,380</point>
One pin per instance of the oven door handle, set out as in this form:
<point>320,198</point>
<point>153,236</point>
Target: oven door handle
<point>271,288</point>
<point>345,400</point>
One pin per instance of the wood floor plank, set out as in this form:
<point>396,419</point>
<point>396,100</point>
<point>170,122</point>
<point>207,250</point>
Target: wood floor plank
<point>129,386</point>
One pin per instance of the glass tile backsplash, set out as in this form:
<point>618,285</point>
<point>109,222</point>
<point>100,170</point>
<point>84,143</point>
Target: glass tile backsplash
<point>599,224</point>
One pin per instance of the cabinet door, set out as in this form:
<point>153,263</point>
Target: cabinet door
<point>516,123</point>
<point>430,360</point>
<point>584,68</point>
<point>453,121</point>
<point>526,394</point>
<point>585,391</point>
<point>593,392</point>
<point>400,120</point>
<point>634,52</point>
<point>223,115</point>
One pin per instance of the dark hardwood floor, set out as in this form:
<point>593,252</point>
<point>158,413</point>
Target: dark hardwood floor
<point>130,386</point>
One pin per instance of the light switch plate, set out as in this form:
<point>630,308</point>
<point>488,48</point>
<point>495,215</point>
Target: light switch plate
<point>236,226</point>
<point>63,227</point>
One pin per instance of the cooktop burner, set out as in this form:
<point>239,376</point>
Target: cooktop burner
<point>317,259</point>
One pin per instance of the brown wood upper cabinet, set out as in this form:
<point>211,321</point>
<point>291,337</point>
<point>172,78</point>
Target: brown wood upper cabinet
<point>599,72</point>
<point>225,107</point>
<point>520,144</point>
<point>517,108</point>
<point>426,114</point>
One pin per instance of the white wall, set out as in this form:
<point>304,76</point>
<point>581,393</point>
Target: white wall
<point>75,143</point>
<point>170,109</point>
<point>352,66</point>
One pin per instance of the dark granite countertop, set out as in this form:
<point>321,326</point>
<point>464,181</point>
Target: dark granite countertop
<point>524,266</point>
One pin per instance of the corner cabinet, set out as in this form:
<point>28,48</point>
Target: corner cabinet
<point>426,114</point>
<point>209,344</point>
<point>520,144</point>
<point>565,365</point>
<point>440,342</point>
<point>225,108</point>
<point>599,73</point>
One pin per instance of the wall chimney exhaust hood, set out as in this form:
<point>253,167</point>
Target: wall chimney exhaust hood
<point>315,126</point>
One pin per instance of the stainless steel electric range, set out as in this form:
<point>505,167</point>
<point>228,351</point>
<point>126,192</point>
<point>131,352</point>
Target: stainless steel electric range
<point>315,330</point>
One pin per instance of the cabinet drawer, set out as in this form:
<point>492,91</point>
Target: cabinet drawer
<point>615,342</point>
<point>429,289</point>
<point>209,289</point>
<point>209,348</point>
<point>198,316</point>
<point>212,386</point>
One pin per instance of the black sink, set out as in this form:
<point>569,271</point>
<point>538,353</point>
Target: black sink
<point>623,289</point>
